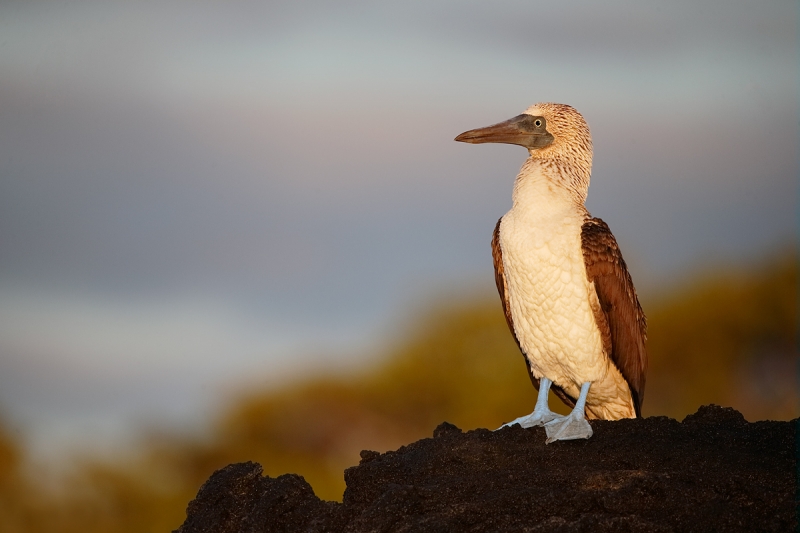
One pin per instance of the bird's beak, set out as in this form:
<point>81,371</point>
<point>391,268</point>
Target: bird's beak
<point>520,130</point>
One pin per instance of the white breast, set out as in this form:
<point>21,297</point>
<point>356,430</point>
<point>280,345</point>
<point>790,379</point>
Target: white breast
<point>548,292</point>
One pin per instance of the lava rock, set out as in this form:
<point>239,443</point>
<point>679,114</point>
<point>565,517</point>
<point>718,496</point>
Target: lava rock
<point>238,499</point>
<point>712,472</point>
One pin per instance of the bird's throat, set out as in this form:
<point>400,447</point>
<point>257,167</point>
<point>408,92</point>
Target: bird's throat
<point>549,188</point>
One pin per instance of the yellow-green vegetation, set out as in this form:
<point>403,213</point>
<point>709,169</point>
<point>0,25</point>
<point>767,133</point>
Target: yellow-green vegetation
<point>729,339</point>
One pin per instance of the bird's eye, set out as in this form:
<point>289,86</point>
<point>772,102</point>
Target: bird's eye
<point>537,123</point>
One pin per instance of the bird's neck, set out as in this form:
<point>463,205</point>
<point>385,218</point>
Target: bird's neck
<point>549,187</point>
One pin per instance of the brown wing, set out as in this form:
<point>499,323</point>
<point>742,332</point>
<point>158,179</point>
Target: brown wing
<point>620,318</point>
<point>500,278</point>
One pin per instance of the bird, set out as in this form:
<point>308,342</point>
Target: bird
<point>565,289</point>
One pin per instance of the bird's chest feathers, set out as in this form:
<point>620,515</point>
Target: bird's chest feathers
<point>548,291</point>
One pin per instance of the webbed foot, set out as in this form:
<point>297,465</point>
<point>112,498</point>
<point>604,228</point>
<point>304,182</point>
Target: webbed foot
<point>541,414</point>
<point>536,418</point>
<point>570,427</point>
<point>574,425</point>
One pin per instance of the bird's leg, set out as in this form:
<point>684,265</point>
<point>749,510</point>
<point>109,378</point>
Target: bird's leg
<point>541,414</point>
<point>574,425</point>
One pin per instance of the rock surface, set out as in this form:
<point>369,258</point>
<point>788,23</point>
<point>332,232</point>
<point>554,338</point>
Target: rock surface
<point>712,472</point>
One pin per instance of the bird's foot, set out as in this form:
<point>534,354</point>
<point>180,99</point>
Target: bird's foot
<point>539,417</point>
<point>570,427</point>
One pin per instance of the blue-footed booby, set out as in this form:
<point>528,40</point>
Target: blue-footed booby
<point>565,290</point>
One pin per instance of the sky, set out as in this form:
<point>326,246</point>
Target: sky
<point>200,194</point>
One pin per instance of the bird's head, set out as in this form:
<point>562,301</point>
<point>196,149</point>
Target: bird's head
<point>550,132</point>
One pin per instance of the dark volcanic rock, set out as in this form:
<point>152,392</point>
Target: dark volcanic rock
<point>713,472</point>
<point>238,498</point>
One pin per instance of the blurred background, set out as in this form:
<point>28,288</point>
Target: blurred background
<point>242,231</point>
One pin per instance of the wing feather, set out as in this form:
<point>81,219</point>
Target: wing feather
<point>620,318</point>
<point>500,278</point>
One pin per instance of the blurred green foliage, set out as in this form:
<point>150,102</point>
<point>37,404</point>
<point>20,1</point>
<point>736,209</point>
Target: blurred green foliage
<point>725,338</point>
<point>730,339</point>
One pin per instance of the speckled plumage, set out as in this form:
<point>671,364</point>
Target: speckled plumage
<point>566,292</point>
